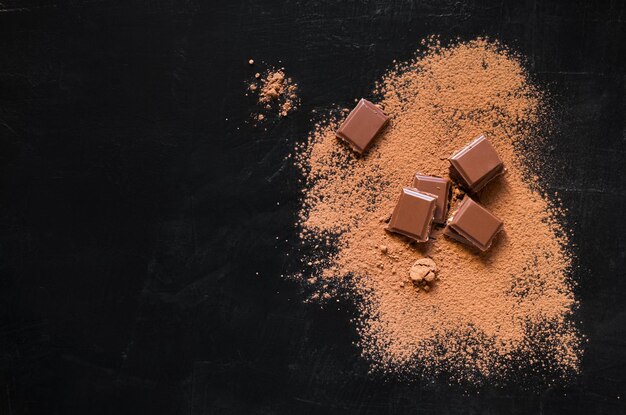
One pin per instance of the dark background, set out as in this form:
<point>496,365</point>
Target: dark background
<point>137,204</point>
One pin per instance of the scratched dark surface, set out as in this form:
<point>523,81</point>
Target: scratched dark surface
<point>137,206</point>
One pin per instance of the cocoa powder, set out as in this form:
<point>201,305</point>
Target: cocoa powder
<point>487,314</point>
<point>277,93</point>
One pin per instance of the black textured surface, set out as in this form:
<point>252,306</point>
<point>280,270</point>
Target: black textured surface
<point>136,206</point>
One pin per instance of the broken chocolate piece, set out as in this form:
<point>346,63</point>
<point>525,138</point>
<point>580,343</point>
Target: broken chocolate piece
<point>473,224</point>
<point>476,165</point>
<point>362,125</point>
<point>413,215</point>
<point>436,186</point>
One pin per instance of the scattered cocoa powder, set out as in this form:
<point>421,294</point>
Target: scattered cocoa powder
<point>276,92</point>
<point>488,314</point>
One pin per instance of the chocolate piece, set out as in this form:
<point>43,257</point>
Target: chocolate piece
<point>476,165</point>
<point>473,225</point>
<point>363,123</point>
<point>413,215</point>
<point>436,186</point>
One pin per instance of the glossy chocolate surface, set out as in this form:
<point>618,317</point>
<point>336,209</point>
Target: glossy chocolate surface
<point>476,164</point>
<point>473,225</point>
<point>436,186</point>
<point>362,125</point>
<point>413,214</point>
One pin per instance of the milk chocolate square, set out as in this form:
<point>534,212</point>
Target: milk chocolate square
<point>476,165</point>
<point>413,215</point>
<point>362,125</point>
<point>473,225</point>
<point>436,186</point>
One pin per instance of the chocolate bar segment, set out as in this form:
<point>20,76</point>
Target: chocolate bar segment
<point>476,165</point>
<point>413,215</point>
<point>473,224</point>
<point>362,125</point>
<point>436,186</point>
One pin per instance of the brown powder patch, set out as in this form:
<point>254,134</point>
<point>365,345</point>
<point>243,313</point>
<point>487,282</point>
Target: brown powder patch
<point>487,314</point>
<point>277,93</point>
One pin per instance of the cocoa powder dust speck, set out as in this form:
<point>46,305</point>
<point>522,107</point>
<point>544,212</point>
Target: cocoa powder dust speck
<point>277,93</point>
<point>487,315</point>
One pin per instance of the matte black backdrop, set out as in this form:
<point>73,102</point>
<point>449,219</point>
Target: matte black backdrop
<point>137,205</point>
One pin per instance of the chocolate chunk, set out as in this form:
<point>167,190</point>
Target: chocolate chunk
<point>436,186</point>
<point>362,125</point>
<point>476,165</point>
<point>413,215</point>
<point>473,225</point>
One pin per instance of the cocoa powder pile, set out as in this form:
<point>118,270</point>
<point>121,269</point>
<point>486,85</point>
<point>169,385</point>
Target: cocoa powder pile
<point>488,314</point>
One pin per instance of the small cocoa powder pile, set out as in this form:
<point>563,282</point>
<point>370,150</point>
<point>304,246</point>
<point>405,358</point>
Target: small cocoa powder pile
<point>277,93</point>
<point>486,315</point>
